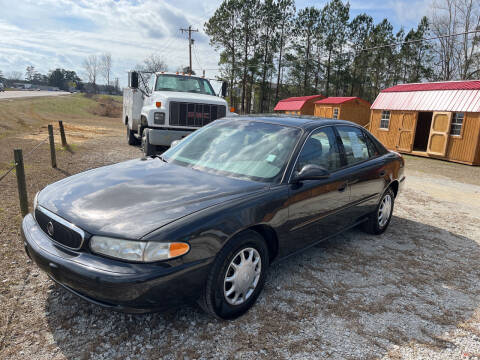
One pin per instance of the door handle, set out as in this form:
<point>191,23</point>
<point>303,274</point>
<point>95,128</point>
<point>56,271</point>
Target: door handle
<point>342,187</point>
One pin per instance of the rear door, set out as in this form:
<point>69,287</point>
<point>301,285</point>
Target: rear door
<point>316,206</point>
<point>367,171</point>
<point>439,133</point>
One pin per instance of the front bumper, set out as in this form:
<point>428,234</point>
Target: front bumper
<point>164,137</point>
<point>120,286</point>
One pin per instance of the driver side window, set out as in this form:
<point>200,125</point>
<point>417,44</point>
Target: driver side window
<point>320,149</point>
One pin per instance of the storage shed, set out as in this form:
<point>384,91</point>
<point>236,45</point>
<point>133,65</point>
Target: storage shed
<point>440,120</point>
<point>344,108</point>
<point>302,105</point>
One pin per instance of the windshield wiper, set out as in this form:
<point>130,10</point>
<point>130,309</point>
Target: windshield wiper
<point>161,158</point>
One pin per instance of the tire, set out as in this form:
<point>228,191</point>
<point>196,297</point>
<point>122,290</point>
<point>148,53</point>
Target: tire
<point>218,299</point>
<point>131,139</point>
<point>379,220</point>
<point>147,147</point>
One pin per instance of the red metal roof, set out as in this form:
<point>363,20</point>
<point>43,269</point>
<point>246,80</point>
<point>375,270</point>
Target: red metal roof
<point>440,100</point>
<point>459,96</point>
<point>339,100</point>
<point>433,86</point>
<point>295,103</point>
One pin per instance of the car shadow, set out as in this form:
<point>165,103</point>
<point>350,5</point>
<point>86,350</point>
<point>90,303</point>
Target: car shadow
<point>353,296</point>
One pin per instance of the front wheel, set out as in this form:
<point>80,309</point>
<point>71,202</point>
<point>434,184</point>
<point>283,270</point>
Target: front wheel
<point>147,147</point>
<point>379,220</point>
<point>237,276</point>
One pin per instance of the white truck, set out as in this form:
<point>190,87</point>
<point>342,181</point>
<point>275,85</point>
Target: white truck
<point>169,108</point>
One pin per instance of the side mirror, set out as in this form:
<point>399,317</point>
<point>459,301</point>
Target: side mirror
<point>224,89</point>
<point>133,79</point>
<point>311,172</point>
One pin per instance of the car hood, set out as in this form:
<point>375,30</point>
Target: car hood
<point>133,198</point>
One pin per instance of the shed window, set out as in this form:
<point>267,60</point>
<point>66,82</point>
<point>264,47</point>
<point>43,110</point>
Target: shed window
<point>457,122</point>
<point>385,121</point>
<point>335,113</point>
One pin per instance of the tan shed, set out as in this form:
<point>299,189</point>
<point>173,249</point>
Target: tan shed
<point>301,105</point>
<point>344,108</point>
<point>440,120</point>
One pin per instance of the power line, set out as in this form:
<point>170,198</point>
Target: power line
<point>190,41</point>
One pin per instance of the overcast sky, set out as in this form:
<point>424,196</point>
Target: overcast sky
<point>61,33</point>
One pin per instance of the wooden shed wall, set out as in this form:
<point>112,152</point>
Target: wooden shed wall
<point>308,108</point>
<point>351,111</point>
<point>464,148</point>
<point>358,113</point>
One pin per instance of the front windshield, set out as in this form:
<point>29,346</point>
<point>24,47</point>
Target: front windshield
<point>240,148</point>
<point>184,84</point>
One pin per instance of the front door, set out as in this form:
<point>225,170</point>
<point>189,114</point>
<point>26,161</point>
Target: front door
<point>406,131</point>
<point>315,206</point>
<point>439,133</point>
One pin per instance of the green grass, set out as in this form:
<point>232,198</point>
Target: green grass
<point>20,115</point>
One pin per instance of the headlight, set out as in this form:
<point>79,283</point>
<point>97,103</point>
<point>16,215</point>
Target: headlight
<point>137,250</point>
<point>159,118</point>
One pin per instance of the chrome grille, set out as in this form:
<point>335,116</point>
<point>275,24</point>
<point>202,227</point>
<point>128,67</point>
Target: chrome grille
<point>61,231</point>
<point>193,114</point>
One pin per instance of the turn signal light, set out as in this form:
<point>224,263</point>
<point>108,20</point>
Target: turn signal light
<point>178,249</point>
<point>158,104</point>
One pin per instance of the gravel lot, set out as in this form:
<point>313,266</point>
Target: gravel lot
<point>412,293</point>
<point>27,94</point>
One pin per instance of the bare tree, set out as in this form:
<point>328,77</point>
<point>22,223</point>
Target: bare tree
<point>91,67</point>
<point>153,63</point>
<point>14,75</point>
<point>469,19</point>
<point>456,54</point>
<point>106,66</point>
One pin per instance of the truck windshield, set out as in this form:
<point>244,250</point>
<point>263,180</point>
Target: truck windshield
<point>183,84</point>
<point>245,149</point>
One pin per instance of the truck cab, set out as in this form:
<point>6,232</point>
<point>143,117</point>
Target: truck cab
<point>169,108</point>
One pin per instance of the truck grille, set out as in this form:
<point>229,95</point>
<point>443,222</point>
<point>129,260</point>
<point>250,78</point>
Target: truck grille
<point>194,115</point>
<point>62,233</point>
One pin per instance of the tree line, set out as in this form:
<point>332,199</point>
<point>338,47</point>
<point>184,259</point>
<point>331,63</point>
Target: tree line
<point>270,50</point>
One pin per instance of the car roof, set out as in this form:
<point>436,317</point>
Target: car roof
<point>306,122</point>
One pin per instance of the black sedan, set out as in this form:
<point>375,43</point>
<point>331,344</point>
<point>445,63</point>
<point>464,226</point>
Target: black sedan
<point>204,220</point>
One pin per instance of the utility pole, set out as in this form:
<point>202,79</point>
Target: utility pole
<point>190,41</point>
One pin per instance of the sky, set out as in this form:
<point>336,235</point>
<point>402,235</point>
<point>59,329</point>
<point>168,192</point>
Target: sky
<point>61,33</point>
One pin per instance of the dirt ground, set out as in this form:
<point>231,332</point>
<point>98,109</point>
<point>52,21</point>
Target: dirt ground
<point>411,293</point>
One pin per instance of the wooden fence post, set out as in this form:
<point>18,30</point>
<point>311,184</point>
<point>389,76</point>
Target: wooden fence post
<point>62,134</point>
<point>22,185</point>
<point>52,146</point>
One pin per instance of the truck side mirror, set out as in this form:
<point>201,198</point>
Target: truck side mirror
<point>133,79</point>
<point>224,89</point>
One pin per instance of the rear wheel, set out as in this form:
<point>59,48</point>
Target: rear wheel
<point>131,139</point>
<point>237,276</point>
<point>379,220</point>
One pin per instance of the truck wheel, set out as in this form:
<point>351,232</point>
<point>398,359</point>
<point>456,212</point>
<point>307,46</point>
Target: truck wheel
<point>148,148</point>
<point>131,139</point>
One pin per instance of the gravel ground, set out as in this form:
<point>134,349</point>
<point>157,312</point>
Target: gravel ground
<point>411,293</point>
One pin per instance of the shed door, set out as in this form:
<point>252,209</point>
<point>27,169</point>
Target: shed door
<point>438,140</point>
<point>406,131</point>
